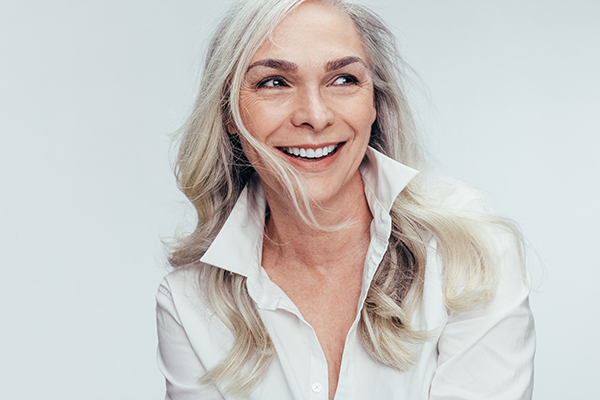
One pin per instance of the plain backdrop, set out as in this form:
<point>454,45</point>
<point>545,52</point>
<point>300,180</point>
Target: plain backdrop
<point>90,91</point>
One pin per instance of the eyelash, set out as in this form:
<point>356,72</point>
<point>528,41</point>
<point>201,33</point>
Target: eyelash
<point>350,80</point>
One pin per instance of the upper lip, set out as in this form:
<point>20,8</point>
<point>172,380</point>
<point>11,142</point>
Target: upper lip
<point>310,146</point>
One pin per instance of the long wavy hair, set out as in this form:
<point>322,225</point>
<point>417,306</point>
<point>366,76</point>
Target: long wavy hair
<point>212,170</point>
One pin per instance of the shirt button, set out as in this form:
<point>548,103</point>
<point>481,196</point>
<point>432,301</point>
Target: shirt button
<point>316,387</point>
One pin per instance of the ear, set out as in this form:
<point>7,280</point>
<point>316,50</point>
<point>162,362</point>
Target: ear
<point>230,127</point>
<point>374,110</point>
<point>374,106</point>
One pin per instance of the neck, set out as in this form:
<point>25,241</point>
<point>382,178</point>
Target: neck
<point>289,238</point>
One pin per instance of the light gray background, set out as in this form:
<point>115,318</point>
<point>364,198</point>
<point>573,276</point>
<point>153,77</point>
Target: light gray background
<point>90,90</point>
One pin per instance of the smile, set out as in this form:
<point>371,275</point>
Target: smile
<point>318,153</point>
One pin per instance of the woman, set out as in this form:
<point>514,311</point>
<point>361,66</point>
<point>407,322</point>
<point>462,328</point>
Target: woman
<point>321,267</point>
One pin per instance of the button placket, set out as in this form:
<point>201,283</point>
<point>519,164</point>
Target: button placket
<point>318,370</point>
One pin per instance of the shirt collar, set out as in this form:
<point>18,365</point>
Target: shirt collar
<point>384,178</point>
<point>238,246</point>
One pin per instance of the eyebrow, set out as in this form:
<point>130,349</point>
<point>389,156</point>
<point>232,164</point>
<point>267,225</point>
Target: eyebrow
<point>288,66</point>
<point>283,65</point>
<point>342,62</point>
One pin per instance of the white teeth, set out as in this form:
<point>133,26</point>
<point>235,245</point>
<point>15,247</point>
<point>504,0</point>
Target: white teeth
<point>310,153</point>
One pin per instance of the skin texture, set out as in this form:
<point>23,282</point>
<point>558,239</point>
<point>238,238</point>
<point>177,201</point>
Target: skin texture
<point>309,87</point>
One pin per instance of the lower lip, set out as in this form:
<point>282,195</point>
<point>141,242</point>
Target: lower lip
<point>312,164</point>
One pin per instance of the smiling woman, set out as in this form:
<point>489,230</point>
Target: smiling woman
<point>320,266</point>
<point>309,88</point>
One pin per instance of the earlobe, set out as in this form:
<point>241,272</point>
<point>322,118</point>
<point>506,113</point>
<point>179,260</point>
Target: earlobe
<point>230,128</point>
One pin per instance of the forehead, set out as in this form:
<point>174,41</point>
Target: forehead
<point>313,32</point>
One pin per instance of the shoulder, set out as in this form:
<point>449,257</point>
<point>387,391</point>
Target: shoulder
<point>183,281</point>
<point>480,249</point>
<point>456,196</point>
<point>181,299</point>
<point>471,209</point>
<point>180,292</point>
<point>473,206</point>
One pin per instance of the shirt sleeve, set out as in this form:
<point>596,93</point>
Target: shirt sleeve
<point>177,359</point>
<point>487,353</point>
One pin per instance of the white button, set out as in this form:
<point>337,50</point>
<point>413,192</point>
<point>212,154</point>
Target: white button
<point>316,387</point>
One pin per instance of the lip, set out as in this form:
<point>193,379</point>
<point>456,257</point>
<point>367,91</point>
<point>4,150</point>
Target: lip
<point>311,164</point>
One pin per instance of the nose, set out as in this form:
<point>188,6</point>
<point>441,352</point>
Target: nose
<point>311,110</point>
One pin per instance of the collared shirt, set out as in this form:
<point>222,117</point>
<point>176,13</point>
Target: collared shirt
<point>486,353</point>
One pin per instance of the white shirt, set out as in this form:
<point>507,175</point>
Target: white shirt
<point>484,354</point>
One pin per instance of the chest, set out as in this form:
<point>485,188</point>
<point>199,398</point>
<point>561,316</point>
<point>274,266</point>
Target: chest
<point>330,309</point>
<point>329,306</point>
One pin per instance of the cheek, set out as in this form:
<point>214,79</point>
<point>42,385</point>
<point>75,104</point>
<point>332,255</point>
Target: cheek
<point>256,120</point>
<point>251,154</point>
<point>260,117</point>
<point>251,113</point>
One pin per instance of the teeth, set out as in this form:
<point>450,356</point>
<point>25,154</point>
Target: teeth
<point>310,153</point>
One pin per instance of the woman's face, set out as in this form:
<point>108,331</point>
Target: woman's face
<point>308,95</point>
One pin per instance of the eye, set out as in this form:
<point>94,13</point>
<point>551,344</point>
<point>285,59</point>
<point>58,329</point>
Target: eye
<point>345,80</point>
<point>272,82</point>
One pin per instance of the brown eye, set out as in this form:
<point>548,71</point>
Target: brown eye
<point>345,80</point>
<point>272,82</point>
